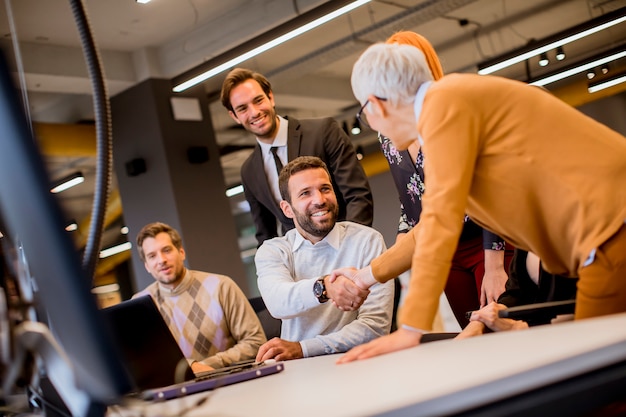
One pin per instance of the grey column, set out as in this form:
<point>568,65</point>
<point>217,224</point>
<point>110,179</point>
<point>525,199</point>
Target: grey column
<point>179,187</point>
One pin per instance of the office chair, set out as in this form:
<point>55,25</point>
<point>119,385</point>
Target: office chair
<point>271,325</point>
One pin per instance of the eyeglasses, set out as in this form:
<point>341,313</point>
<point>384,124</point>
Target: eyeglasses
<point>362,117</point>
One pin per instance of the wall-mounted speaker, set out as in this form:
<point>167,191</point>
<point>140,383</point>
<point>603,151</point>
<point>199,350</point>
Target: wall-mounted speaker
<point>135,167</point>
<point>198,154</point>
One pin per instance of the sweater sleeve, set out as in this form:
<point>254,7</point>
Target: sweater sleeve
<point>451,131</point>
<point>397,259</point>
<point>243,323</point>
<point>491,241</point>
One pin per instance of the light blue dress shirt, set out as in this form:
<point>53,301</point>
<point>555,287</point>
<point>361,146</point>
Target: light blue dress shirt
<point>288,266</point>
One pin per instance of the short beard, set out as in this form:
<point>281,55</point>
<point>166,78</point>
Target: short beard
<point>308,224</point>
<point>178,276</point>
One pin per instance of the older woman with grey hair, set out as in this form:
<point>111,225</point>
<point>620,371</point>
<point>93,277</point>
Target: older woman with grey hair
<point>493,151</point>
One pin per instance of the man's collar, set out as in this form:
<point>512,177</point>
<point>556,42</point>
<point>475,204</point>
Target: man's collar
<point>333,238</point>
<point>281,135</point>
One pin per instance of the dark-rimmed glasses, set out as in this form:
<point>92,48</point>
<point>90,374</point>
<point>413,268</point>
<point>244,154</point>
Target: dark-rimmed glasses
<point>361,117</point>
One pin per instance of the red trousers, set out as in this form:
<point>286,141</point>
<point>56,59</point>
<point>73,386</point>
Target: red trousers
<point>466,277</point>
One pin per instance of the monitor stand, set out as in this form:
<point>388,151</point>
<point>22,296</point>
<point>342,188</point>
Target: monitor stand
<point>36,339</point>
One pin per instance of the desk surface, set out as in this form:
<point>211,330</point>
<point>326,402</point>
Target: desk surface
<point>432,379</point>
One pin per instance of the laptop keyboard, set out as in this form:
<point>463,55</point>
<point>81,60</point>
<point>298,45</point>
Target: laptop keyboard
<point>236,367</point>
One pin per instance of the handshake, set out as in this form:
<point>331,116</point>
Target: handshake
<point>349,287</point>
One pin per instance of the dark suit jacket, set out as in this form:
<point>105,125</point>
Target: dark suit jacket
<point>325,139</point>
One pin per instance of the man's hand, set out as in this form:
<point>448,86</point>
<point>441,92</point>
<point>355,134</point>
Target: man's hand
<point>495,277</point>
<point>474,328</point>
<point>488,315</point>
<point>279,349</point>
<point>398,340</point>
<point>363,277</point>
<point>198,367</point>
<point>344,293</point>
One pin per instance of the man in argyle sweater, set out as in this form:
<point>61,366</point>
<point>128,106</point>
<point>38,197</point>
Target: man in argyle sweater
<point>208,314</point>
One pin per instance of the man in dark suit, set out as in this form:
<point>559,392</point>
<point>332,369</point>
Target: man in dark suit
<point>249,99</point>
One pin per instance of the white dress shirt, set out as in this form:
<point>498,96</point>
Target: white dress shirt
<point>280,141</point>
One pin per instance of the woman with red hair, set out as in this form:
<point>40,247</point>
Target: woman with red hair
<point>479,266</point>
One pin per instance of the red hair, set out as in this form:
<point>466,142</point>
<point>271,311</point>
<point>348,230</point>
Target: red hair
<point>421,43</point>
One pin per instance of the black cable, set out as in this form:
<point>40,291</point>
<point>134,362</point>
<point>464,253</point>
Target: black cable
<point>463,22</point>
<point>104,142</point>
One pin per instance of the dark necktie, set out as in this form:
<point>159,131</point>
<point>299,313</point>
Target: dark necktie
<point>279,164</point>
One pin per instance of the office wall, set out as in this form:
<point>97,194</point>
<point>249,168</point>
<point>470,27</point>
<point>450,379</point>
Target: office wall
<point>386,206</point>
<point>610,110</point>
<point>186,192</point>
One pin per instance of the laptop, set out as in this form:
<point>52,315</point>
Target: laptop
<point>155,362</point>
<point>539,313</point>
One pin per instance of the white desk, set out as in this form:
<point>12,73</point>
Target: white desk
<point>432,379</point>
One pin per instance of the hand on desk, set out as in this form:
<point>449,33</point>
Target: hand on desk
<point>345,294</point>
<point>398,340</point>
<point>279,349</point>
<point>474,328</point>
<point>198,367</point>
<point>488,315</point>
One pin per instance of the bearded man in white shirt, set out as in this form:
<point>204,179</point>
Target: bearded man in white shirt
<point>319,317</point>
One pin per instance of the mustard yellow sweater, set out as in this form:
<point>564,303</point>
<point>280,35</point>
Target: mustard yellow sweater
<point>520,163</point>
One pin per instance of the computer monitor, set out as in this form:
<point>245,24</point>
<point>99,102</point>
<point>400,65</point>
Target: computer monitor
<point>34,222</point>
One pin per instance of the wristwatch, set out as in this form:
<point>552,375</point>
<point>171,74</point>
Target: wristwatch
<point>319,290</point>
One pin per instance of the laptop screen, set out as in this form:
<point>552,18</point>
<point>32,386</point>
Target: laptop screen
<point>148,348</point>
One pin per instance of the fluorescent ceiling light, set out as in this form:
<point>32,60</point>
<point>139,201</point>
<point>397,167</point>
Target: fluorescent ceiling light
<point>268,45</point>
<point>577,69</point>
<point>67,182</point>
<point>553,42</point>
<point>356,127</point>
<point>105,289</point>
<point>234,190</point>
<point>114,250</point>
<point>71,226</point>
<point>601,85</point>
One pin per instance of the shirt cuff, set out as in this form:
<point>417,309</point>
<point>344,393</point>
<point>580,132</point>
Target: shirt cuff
<point>414,329</point>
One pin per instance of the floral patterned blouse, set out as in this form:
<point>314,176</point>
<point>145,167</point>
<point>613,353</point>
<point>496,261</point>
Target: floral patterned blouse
<point>409,179</point>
